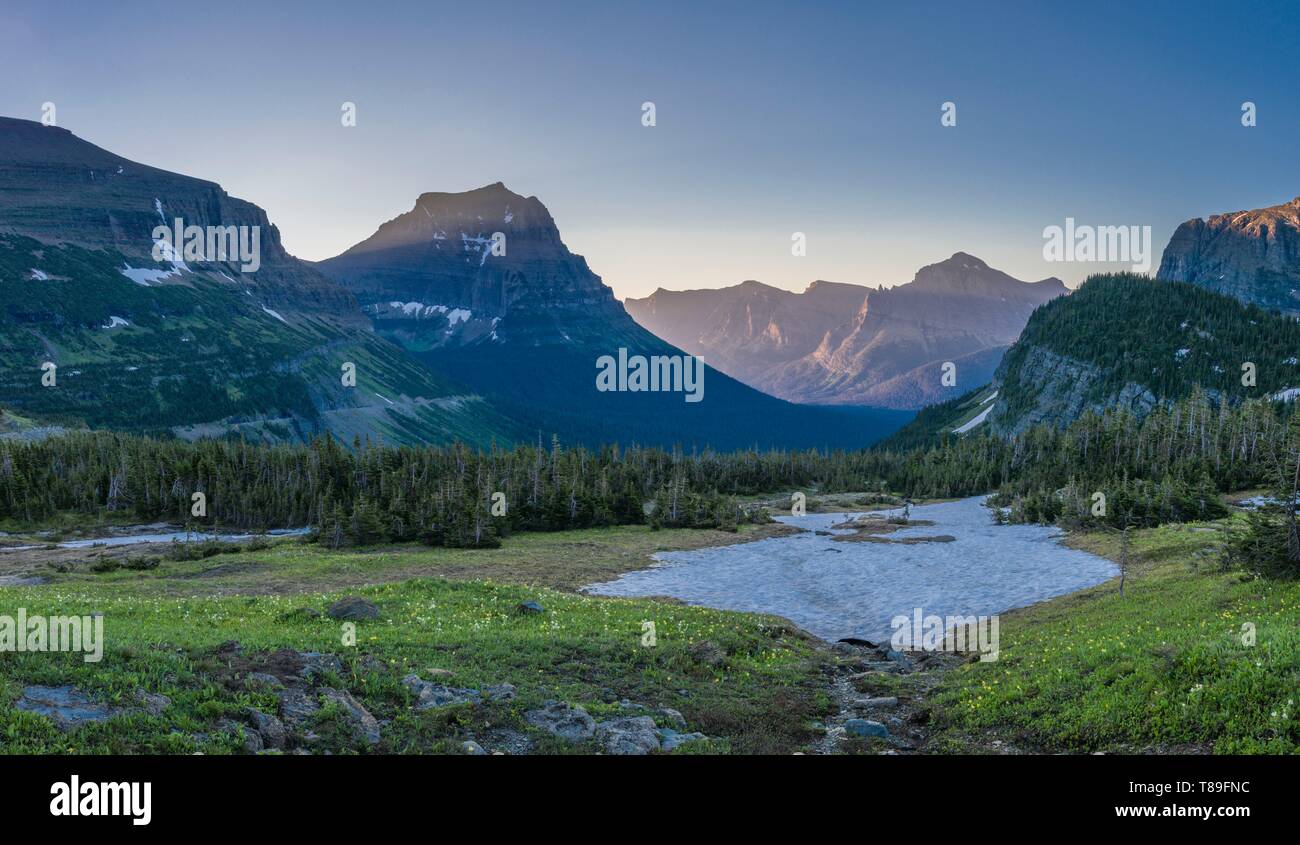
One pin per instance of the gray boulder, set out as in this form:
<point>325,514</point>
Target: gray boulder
<point>353,608</point>
<point>271,728</point>
<point>570,723</point>
<point>671,740</point>
<point>364,726</point>
<point>628,735</point>
<point>866,728</point>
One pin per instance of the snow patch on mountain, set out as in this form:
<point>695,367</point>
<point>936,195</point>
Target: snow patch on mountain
<point>976,420</point>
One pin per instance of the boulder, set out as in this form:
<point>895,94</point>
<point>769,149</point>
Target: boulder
<point>671,740</point>
<point>297,706</point>
<point>364,726</point>
<point>628,735</point>
<point>353,608</point>
<point>272,729</point>
<point>866,728</point>
<point>570,723</point>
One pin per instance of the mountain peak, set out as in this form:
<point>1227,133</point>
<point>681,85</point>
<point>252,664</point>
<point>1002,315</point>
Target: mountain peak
<point>1251,255</point>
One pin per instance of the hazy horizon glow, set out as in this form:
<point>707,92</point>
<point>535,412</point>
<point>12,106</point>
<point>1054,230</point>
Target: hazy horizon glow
<point>771,120</point>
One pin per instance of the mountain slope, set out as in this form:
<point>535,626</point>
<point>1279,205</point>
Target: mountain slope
<point>1131,342</point>
<point>525,324</point>
<point>849,345</point>
<point>1251,255</point>
<point>189,347</point>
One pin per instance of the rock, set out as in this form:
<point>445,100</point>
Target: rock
<point>439,673</point>
<point>672,716</point>
<point>262,680</point>
<point>527,608</point>
<point>708,653</point>
<point>353,608</point>
<point>671,740</point>
<point>628,735</point>
<point>880,701</point>
<point>297,706</point>
<point>898,657</point>
<point>364,727</point>
<point>68,706</point>
<point>571,723</point>
<point>253,742</point>
<point>429,695</point>
<point>313,663</point>
<point>499,692</point>
<point>154,703</point>
<point>866,728</point>
<point>271,728</point>
<point>473,749</point>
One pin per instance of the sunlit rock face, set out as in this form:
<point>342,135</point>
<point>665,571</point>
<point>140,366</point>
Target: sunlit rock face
<point>1251,255</point>
<point>851,345</point>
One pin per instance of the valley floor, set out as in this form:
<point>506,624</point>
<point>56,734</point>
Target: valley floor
<point>235,652</point>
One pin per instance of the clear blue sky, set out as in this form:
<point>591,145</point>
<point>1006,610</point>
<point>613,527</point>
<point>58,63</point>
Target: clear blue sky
<point>772,118</point>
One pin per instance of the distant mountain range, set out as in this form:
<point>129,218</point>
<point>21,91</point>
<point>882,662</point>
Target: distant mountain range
<point>846,344</point>
<point>467,318</point>
<point>1251,255</point>
<point>524,324</point>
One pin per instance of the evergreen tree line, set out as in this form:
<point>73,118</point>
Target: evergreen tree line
<point>1169,466</point>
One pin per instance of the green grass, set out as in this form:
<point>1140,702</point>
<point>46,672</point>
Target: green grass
<point>1162,667</point>
<point>163,626</point>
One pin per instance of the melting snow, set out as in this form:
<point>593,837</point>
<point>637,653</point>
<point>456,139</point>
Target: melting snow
<point>114,322</point>
<point>386,399</point>
<point>992,396</point>
<point>976,420</point>
<point>146,277</point>
<point>275,314</point>
<point>39,275</point>
<point>1182,353</point>
<point>857,592</point>
<point>1288,395</point>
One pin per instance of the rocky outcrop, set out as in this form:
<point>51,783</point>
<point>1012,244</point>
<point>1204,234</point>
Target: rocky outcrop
<point>1251,255</point>
<point>1058,391</point>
